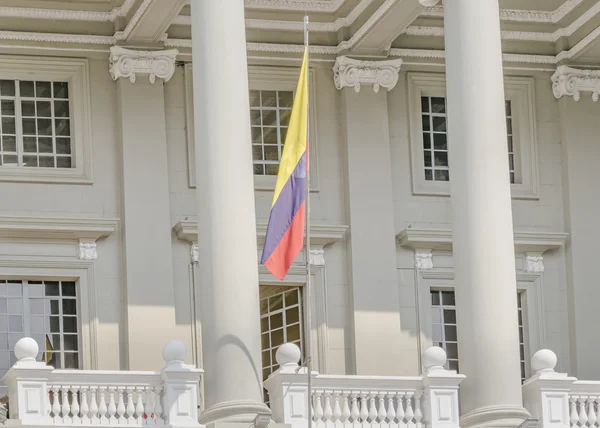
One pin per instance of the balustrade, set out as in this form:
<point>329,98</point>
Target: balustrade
<point>40,395</point>
<point>372,401</point>
<point>558,400</point>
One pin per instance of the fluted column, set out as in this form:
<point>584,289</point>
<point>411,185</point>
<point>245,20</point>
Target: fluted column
<point>485,280</point>
<point>228,274</point>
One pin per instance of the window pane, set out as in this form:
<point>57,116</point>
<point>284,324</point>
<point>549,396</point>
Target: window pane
<point>286,99</point>
<point>28,108</point>
<point>44,127</point>
<point>8,108</point>
<point>42,90</point>
<point>71,360</point>
<point>439,124</point>
<point>44,109</point>
<point>439,142</point>
<point>9,143</point>
<point>442,175</point>
<point>62,127</point>
<point>68,288</point>
<point>30,144</point>
<point>63,146</point>
<point>61,90</point>
<point>425,104</point>
<point>45,145</point>
<point>30,161</point>
<point>26,89</point>
<point>29,126</point>
<point>7,88</point>
<point>46,162</point>
<point>8,125</point>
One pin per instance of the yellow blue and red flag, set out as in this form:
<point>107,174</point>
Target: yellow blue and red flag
<point>285,232</point>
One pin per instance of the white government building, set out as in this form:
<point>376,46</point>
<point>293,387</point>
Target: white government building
<point>451,146</point>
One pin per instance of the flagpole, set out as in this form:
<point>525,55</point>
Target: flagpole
<point>307,291</point>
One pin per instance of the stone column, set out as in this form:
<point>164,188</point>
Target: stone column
<point>484,259</point>
<point>146,216</point>
<point>228,274</point>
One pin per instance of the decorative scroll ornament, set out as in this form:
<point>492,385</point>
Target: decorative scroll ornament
<point>353,73</point>
<point>423,260</point>
<point>194,253</point>
<point>534,263</point>
<point>317,257</point>
<point>128,63</point>
<point>571,81</point>
<point>87,250</point>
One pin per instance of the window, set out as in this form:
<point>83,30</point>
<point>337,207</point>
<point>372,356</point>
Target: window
<point>271,99</point>
<point>281,322</point>
<point>444,329</point>
<point>35,126</point>
<point>435,139</point>
<point>269,117</point>
<point>429,139</point>
<point>45,311</point>
<point>45,121</point>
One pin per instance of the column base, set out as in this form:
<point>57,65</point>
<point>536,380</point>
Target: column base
<point>495,416</point>
<point>237,412</point>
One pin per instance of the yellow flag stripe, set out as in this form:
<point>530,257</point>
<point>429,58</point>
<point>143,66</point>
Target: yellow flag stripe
<point>296,140</point>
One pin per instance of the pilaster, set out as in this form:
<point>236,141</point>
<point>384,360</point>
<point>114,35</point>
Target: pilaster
<point>146,214</point>
<point>371,244</point>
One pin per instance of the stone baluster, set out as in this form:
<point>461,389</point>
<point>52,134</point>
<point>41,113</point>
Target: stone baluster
<point>139,406</point>
<point>149,405</point>
<point>121,404</point>
<point>346,414</point>
<point>75,408</point>
<point>372,408</point>
<point>391,411</point>
<point>327,411</point>
<point>318,414</point>
<point>381,411</point>
<point>410,413</point>
<point>94,409</point>
<point>158,408</point>
<point>401,413</point>
<point>582,413</point>
<point>355,411</point>
<point>418,410</point>
<point>591,416</point>
<point>55,403</point>
<point>85,408</point>
<point>337,409</point>
<point>129,408</point>
<point>364,410</point>
<point>102,408</point>
<point>66,407</point>
<point>574,419</point>
<point>112,406</point>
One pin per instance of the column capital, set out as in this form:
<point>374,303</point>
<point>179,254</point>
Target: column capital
<point>429,3</point>
<point>572,81</point>
<point>128,63</point>
<point>348,72</point>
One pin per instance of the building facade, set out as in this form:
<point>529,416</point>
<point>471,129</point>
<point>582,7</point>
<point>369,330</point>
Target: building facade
<point>137,179</point>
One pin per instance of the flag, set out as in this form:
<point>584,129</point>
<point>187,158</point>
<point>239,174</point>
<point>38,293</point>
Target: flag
<point>285,231</point>
<point>48,355</point>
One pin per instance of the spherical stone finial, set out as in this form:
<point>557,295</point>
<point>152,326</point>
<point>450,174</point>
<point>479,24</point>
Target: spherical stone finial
<point>288,354</point>
<point>26,349</point>
<point>434,358</point>
<point>543,360</point>
<point>174,351</point>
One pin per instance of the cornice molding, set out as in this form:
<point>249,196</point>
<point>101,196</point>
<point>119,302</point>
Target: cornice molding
<point>441,239</point>
<point>519,15</point>
<point>532,36</point>
<point>321,235</point>
<point>571,82</point>
<point>348,72</point>
<point>67,15</point>
<point>87,229</point>
<point>299,5</point>
<point>128,63</point>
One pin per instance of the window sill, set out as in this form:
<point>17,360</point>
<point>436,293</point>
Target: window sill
<point>44,175</point>
<point>433,188</point>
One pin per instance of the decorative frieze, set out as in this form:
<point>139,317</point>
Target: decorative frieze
<point>423,259</point>
<point>317,257</point>
<point>353,73</point>
<point>571,82</point>
<point>87,250</point>
<point>128,63</point>
<point>534,263</point>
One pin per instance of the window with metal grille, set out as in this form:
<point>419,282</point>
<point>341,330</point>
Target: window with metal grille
<point>35,127</point>
<point>45,311</point>
<point>444,328</point>
<point>435,139</point>
<point>269,116</point>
